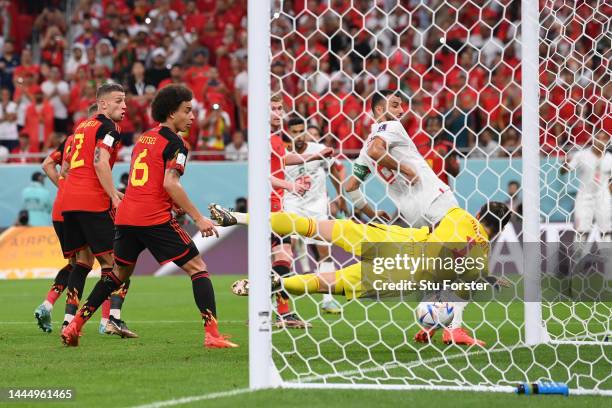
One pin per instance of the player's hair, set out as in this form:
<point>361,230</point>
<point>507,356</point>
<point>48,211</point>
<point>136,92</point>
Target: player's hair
<point>105,89</point>
<point>276,99</point>
<point>380,96</point>
<point>295,120</point>
<point>515,183</point>
<point>92,109</point>
<point>168,100</point>
<point>494,215</point>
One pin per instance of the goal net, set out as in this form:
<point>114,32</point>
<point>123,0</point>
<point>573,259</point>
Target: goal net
<point>502,99</point>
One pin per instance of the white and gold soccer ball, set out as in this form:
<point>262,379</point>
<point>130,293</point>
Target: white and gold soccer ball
<point>433,315</point>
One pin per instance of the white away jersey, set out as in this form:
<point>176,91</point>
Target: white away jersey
<point>413,201</point>
<point>315,172</point>
<point>594,173</point>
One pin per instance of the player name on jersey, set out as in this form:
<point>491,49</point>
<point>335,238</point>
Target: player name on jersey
<point>146,201</point>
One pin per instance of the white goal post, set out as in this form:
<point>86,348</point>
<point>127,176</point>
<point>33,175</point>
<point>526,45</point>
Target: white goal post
<point>370,346</point>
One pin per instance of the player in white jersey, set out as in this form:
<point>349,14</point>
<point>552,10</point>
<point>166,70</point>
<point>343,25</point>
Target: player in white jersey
<point>593,168</point>
<point>421,197</point>
<point>313,203</point>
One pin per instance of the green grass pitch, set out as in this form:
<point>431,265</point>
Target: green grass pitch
<point>168,361</point>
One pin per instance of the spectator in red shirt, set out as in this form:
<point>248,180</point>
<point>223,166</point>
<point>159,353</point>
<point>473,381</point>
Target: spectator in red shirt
<point>86,98</point>
<point>197,74</point>
<point>53,45</point>
<point>209,36</point>
<point>228,13</point>
<point>39,121</point>
<point>26,65</point>
<point>194,18</point>
<point>23,150</point>
<point>176,77</point>
<point>226,48</point>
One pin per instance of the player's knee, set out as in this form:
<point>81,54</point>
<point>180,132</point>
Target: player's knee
<point>84,258</point>
<point>123,272</point>
<point>195,265</point>
<point>106,260</point>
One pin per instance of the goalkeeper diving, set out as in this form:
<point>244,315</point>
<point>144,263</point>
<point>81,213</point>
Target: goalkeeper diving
<point>457,226</point>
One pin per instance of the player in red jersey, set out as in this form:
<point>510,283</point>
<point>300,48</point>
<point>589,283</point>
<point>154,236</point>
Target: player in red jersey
<point>90,197</point>
<point>42,314</point>
<point>282,254</point>
<point>61,157</point>
<point>144,219</point>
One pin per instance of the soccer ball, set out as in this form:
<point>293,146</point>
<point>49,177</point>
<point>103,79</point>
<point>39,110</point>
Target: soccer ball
<point>433,315</point>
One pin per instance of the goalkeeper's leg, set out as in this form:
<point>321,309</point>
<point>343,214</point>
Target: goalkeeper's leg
<point>346,281</point>
<point>345,234</point>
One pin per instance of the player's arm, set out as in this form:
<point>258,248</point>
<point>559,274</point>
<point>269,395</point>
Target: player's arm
<point>299,187</point>
<point>338,175</point>
<point>172,185</point>
<point>295,158</point>
<point>107,139</point>
<point>49,166</point>
<point>360,202</point>
<point>377,151</point>
<point>105,175</point>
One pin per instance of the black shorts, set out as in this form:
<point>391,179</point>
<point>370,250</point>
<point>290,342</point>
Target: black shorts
<point>167,242</point>
<point>277,240</point>
<point>58,226</point>
<point>93,229</point>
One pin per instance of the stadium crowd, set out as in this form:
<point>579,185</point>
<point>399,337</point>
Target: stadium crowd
<point>458,67</point>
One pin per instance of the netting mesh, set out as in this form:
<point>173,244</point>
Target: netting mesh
<point>457,66</point>
<point>574,81</point>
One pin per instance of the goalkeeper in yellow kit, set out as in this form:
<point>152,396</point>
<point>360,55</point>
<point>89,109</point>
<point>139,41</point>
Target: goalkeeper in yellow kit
<point>457,226</point>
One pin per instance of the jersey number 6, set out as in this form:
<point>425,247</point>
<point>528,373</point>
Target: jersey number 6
<point>140,165</point>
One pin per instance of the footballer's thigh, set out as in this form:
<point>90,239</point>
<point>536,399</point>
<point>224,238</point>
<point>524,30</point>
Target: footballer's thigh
<point>349,235</point>
<point>72,234</point>
<point>168,242</point>
<point>58,226</point>
<point>127,245</point>
<point>98,229</point>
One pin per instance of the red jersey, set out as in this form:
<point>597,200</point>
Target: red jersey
<point>277,169</point>
<point>146,202</point>
<point>82,189</point>
<point>60,156</point>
